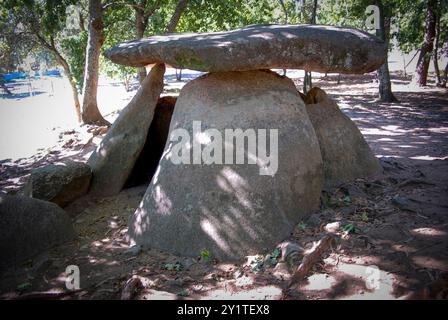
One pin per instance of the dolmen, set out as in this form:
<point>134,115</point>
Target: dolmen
<point>246,159</point>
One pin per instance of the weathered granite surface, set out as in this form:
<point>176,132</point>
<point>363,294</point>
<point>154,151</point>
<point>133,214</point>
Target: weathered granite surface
<point>308,47</point>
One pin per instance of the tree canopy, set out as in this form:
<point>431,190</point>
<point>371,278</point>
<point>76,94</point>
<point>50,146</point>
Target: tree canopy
<point>61,27</point>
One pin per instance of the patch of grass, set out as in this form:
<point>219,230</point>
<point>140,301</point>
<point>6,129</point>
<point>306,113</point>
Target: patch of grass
<point>257,266</point>
<point>183,293</point>
<point>302,226</point>
<point>273,257</point>
<point>347,200</point>
<point>258,263</point>
<point>206,255</point>
<point>364,217</point>
<point>349,228</point>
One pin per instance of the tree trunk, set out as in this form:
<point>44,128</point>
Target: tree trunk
<point>436,54</point>
<point>81,22</point>
<point>385,86</point>
<point>141,22</point>
<point>5,88</point>
<point>307,80</point>
<point>404,66</point>
<point>421,71</point>
<point>126,83</point>
<point>303,10</point>
<point>445,76</point>
<point>313,15</point>
<point>90,111</point>
<point>140,27</point>
<point>50,47</point>
<point>180,8</point>
<point>3,85</point>
<point>71,80</point>
<point>285,11</point>
<point>179,74</point>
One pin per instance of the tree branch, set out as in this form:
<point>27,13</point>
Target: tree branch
<point>181,6</point>
<point>285,11</point>
<point>110,4</point>
<point>152,10</point>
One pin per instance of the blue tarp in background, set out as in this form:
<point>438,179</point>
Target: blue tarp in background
<point>21,75</point>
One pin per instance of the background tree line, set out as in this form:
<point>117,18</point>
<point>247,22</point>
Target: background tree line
<point>75,33</point>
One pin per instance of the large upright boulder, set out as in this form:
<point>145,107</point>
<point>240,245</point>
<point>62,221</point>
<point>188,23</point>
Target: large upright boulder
<point>112,162</point>
<point>345,153</point>
<point>61,182</point>
<point>310,47</point>
<point>30,226</point>
<point>232,210</point>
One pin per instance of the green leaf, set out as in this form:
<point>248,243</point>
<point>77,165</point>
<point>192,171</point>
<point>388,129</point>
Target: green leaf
<point>347,200</point>
<point>24,286</point>
<point>257,266</point>
<point>364,217</point>
<point>206,255</point>
<point>302,226</point>
<point>349,228</point>
<point>276,253</point>
<point>183,293</point>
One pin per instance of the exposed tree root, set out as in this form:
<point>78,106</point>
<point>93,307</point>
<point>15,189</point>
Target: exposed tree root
<point>46,295</point>
<point>311,258</point>
<point>131,288</point>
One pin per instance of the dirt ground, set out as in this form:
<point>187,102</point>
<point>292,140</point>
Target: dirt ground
<point>391,231</point>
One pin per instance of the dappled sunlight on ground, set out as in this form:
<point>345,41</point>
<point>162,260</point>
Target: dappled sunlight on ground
<point>416,127</point>
<point>33,119</point>
<point>398,246</point>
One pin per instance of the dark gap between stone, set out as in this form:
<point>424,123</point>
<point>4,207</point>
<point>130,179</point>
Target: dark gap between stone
<point>148,160</point>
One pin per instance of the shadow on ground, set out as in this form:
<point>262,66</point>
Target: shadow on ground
<point>397,244</point>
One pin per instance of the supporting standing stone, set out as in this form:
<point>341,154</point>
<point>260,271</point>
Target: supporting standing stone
<point>113,160</point>
<point>231,209</point>
<point>345,153</point>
